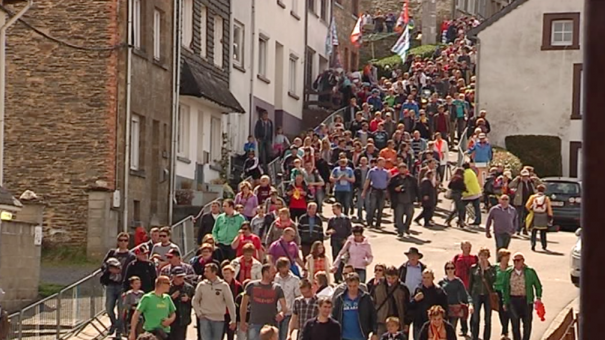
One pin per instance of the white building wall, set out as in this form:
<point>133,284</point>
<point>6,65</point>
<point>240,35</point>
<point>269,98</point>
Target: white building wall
<point>280,26</point>
<point>317,33</point>
<point>524,89</point>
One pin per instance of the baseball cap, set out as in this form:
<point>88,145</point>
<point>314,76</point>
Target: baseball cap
<point>142,249</point>
<point>113,262</point>
<point>524,172</point>
<point>178,271</point>
<point>173,252</point>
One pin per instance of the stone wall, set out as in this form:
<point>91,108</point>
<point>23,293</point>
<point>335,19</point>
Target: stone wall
<point>345,22</point>
<point>444,8</point>
<point>377,49</point>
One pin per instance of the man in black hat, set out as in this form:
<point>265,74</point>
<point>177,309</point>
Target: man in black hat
<point>174,260</point>
<point>141,267</point>
<point>181,293</point>
<point>410,272</point>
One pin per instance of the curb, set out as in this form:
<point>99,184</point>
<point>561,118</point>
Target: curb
<point>556,322</point>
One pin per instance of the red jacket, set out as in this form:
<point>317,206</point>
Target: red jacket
<point>463,265</point>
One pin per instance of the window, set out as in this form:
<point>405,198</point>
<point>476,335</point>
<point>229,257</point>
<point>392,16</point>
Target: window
<point>309,76</point>
<point>561,31</point>
<point>577,101</point>
<point>471,6</point>
<point>575,159</point>
<point>183,131</point>
<point>135,142</point>
<point>238,44</point>
<point>311,5</point>
<point>293,70</point>
<point>323,11</point>
<point>203,31</point>
<point>157,34</point>
<point>263,45</point>
<point>218,41</point>
<point>187,34</point>
<point>216,139</point>
<point>136,24</point>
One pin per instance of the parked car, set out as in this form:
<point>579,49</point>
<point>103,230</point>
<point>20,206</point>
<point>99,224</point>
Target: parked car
<point>575,256</point>
<point>566,197</point>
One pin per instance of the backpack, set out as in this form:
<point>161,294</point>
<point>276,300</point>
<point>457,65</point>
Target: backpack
<point>539,204</point>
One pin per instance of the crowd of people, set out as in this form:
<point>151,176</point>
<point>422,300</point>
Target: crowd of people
<point>263,270</point>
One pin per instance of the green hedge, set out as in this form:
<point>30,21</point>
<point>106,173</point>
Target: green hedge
<point>541,152</point>
<point>507,160</point>
<point>424,51</point>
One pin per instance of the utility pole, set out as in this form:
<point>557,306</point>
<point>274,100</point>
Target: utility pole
<point>4,25</point>
<point>429,22</point>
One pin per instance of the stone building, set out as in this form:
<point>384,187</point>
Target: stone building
<point>345,14</point>
<point>67,119</point>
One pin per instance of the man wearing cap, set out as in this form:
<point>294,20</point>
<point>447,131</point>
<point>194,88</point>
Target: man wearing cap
<point>375,100</point>
<point>482,155</point>
<point>523,186</point>
<point>411,105</point>
<point>181,293</point>
<point>175,260</point>
<point>141,267</point>
<point>410,272</point>
<point>376,186</point>
<point>505,220</point>
<point>212,297</point>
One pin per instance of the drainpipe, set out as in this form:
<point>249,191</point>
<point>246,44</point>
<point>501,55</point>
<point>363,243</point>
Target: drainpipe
<point>305,61</point>
<point>128,116</point>
<point>252,63</point>
<point>176,78</point>
<point>5,26</point>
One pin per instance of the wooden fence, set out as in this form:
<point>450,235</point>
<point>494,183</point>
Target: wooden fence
<point>567,330</point>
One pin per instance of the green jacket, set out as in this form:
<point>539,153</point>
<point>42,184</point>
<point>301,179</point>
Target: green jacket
<point>531,282</point>
<point>226,228</point>
<point>476,285</point>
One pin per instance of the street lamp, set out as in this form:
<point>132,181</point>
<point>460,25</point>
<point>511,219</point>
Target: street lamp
<point>4,25</point>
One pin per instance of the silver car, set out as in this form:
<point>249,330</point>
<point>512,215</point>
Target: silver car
<point>575,256</point>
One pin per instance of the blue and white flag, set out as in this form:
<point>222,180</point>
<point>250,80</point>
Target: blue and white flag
<point>402,45</point>
<point>332,38</point>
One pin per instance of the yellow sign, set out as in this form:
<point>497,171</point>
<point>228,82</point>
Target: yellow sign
<point>6,216</point>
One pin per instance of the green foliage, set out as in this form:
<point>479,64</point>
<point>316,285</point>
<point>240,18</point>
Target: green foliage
<point>225,158</point>
<point>507,160</point>
<point>65,255</point>
<point>424,51</point>
<point>47,289</point>
<point>541,152</point>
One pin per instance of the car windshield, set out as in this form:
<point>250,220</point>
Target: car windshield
<point>564,188</point>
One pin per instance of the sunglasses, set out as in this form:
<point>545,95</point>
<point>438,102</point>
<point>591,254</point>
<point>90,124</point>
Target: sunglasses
<point>122,240</point>
<point>163,235</point>
<point>378,270</point>
<point>450,268</point>
<point>517,260</point>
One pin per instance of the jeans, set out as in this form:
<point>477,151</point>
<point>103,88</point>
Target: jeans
<point>264,151</point>
<point>476,207</point>
<point>441,172</point>
<point>253,331</point>
<point>113,294</point>
<point>521,311</point>
<point>503,315</point>
<point>283,327</point>
<point>502,241</point>
<point>534,236</point>
<point>478,301</point>
<point>344,198</point>
<point>362,274</point>
<point>319,198</point>
<point>403,210</point>
<point>522,213</point>
<point>362,204</point>
<point>177,332</point>
<point>336,247</point>
<point>212,330</point>
<point>376,203</point>
<point>460,125</point>
<point>459,209</point>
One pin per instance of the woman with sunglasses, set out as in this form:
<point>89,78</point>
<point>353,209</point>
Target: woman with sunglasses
<point>378,277</point>
<point>458,299</point>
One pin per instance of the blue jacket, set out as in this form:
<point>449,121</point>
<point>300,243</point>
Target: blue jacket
<point>376,103</point>
<point>411,106</point>
<point>483,152</point>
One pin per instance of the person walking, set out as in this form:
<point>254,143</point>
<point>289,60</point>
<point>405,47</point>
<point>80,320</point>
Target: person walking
<point>286,247</point>
<point>391,298</point>
<point>174,260</point>
<point>304,309</point>
<point>290,285</point>
<point>410,272</point>
<point>540,209</point>
<point>181,293</point>
<point>521,286</point>
<point>501,269</point>
<point>354,310</point>
<point>339,229</point>
<point>206,222</point>
<point>463,263</point>
<point>160,249</point>
<point>436,327</point>
<point>376,186</point>
<point>157,309</point>
<point>263,132</point>
<point>426,296</point>
<point>343,178</point>
<point>212,297</point>
<point>263,296</point>
<point>483,276</point>
<point>142,268</point>
<point>428,199</point>
<point>236,290</point>
<point>473,192</point>
<point>361,174</point>
<point>357,252</point>
<point>458,299</point>
<point>504,217</point>
<point>523,187</point>
<point>226,228</point>
<point>310,229</point>
<point>322,327</point>
<point>317,261</point>
<point>457,188</point>
<point>379,270</point>
<point>404,192</point>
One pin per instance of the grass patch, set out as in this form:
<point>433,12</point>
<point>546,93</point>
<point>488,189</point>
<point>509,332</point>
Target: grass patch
<point>66,256</point>
<point>47,289</point>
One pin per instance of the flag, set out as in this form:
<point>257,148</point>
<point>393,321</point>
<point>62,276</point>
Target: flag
<point>332,38</point>
<point>404,17</point>
<point>356,34</point>
<point>402,45</point>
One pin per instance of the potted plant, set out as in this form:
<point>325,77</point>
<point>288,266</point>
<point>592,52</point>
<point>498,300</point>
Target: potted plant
<point>184,195</point>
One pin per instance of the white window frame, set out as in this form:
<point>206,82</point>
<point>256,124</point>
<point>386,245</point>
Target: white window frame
<point>471,6</point>
<point>324,7</point>
<point>183,131</point>
<point>293,73</point>
<point>239,42</point>
<point>157,34</point>
<point>216,139</point>
<point>204,31</point>
<point>187,28</point>
<point>263,55</point>
<point>295,7</point>
<point>136,24</point>
<point>562,32</point>
<point>135,141</point>
<point>218,41</point>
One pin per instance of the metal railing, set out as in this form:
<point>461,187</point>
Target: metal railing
<point>78,305</point>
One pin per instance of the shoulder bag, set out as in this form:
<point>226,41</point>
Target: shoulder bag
<point>494,300</point>
<point>293,266</point>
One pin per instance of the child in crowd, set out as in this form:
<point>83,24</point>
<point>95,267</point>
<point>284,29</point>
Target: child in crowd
<point>257,221</point>
<point>250,145</point>
<point>393,332</point>
<point>280,142</point>
<point>131,299</point>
